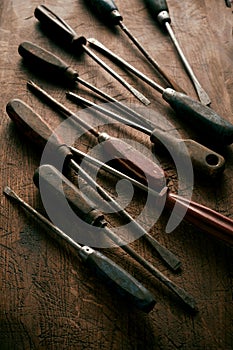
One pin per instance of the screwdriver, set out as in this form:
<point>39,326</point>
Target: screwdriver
<point>26,122</point>
<point>57,27</point>
<point>159,10</point>
<point>124,284</point>
<point>125,156</point>
<point>56,185</point>
<point>108,10</point>
<point>207,123</point>
<point>202,217</point>
<point>44,61</point>
<point>34,127</point>
<point>204,160</point>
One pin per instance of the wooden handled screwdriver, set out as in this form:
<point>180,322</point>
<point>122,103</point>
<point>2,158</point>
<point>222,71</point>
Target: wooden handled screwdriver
<point>62,32</point>
<point>206,122</point>
<point>56,186</point>
<point>109,12</point>
<point>120,281</point>
<point>159,10</point>
<point>205,161</point>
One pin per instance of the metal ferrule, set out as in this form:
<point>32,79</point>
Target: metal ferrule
<point>103,137</point>
<point>168,92</point>
<point>115,17</point>
<point>85,251</point>
<point>163,17</point>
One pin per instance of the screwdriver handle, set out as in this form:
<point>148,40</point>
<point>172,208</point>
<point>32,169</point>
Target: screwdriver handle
<point>107,10</point>
<point>46,62</point>
<point>204,161</point>
<point>56,183</point>
<point>35,129</point>
<point>133,162</point>
<point>58,28</point>
<point>118,279</point>
<point>204,120</point>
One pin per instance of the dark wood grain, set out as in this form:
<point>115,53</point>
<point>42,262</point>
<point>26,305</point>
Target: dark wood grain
<point>48,299</point>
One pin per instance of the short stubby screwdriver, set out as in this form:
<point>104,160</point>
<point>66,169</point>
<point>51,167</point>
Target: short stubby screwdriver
<point>159,10</point>
<point>56,186</point>
<point>66,36</point>
<point>205,161</point>
<point>109,12</point>
<point>205,121</point>
<point>120,281</point>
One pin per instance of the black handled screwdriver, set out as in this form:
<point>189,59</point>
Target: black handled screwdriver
<point>159,10</point>
<point>35,128</point>
<point>205,161</point>
<point>125,285</point>
<point>109,12</point>
<point>57,27</point>
<point>206,122</point>
<point>56,185</point>
<point>125,156</point>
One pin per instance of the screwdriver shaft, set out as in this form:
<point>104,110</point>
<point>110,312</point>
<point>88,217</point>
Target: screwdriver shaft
<point>134,91</point>
<point>204,98</point>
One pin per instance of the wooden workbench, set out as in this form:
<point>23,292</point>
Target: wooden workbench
<point>48,299</point>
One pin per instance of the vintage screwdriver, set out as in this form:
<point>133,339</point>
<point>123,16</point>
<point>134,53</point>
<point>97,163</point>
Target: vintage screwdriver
<point>125,156</point>
<point>34,127</point>
<point>57,27</point>
<point>18,113</point>
<point>45,62</point>
<point>124,284</point>
<point>159,9</point>
<point>204,160</point>
<point>108,10</point>
<point>202,217</point>
<point>56,185</point>
<point>201,118</point>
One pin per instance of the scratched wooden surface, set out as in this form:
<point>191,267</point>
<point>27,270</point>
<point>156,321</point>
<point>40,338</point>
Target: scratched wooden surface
<point>48,299</point>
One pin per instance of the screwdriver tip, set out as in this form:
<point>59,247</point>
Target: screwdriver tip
<point>8,191</point>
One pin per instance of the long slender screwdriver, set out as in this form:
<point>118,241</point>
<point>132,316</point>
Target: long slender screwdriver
<point>57,27</point>
<point>37,130</point>
<point>159,10</point>
<point>116,277</point>
<point>206,122</point>
<point>109,12</point>
<point>125,156</point>
<point>46,63</point>
<point>57,185</point>
<point>204,160</point>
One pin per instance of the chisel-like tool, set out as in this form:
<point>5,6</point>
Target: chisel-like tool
<point>159,10</point>
<point>205,161</point>
<point>109,12</point>
<point>125,156</point>
<point>114,276</point>
<point>206,122</point>
<point>57,27</point>
<point>57,185</point>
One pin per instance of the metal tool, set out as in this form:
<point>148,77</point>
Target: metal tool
<point>57,185</point>
<point>159,10</point>
<point>202,217</point>
<point>204,160</point>
<point>115,277</point>
<point>127,158</point>
<point>57,27</point>
<point>52,66</point>
<point>206,122</point>
<point>37,129</point>
<point>109,12</point>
